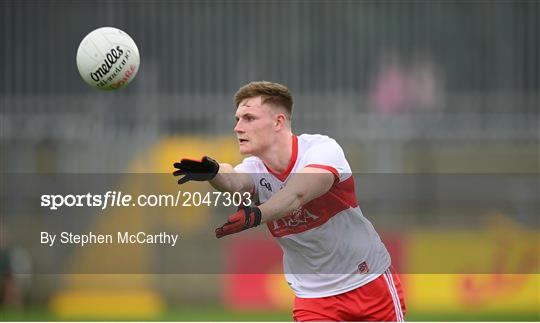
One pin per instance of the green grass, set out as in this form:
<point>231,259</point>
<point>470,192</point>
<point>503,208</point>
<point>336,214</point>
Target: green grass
<point>216,314</point>
<point>184,314</point>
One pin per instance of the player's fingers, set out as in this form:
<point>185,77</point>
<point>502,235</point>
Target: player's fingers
<point>179,172</point>
<point>234,226</point>
<point>226,229</point>
<point>219,232</point>
<point>188,163</point>
<point>184,179</point>
<point>177,165</point>
<point>238,216</point>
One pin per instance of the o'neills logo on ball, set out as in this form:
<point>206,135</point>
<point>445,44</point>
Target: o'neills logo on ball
<point>110,59</point>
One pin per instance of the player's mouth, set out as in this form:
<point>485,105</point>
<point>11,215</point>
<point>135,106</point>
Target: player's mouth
<point>242,141</point>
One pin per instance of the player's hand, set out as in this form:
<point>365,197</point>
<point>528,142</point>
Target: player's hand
<point>196,170</point>
<point>245,218</point>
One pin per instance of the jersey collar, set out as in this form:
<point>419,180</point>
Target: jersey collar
<point>283,176</point>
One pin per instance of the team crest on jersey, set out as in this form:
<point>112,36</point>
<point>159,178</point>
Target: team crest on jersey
<point>297,218</point>
<point>363,268</point>
<point>265,183</point>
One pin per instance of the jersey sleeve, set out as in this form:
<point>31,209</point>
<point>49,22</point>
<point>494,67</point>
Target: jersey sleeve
<point>328,155</point>
<point>246,167</point>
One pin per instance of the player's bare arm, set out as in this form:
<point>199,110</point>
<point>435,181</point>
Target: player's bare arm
<point>299,190</point>
<point>228,180</point>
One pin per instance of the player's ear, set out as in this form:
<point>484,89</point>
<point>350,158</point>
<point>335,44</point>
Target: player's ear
<point>281,121</point>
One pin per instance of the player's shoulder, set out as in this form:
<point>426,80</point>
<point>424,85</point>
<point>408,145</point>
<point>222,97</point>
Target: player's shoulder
<point>308,141</point>
<point>320,150</point>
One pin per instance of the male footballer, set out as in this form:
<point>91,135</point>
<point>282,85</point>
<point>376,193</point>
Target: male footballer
<point>333,258</point>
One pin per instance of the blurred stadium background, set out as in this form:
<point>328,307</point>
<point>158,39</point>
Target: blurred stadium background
<point>431,88</point>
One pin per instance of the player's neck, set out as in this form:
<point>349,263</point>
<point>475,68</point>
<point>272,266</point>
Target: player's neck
<point>278,156</point>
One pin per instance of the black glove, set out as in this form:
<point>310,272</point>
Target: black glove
<point>196,170</point>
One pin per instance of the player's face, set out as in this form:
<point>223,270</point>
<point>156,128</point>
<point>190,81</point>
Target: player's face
<point>255,126</point>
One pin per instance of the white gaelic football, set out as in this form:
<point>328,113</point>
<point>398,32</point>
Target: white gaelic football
<point>107,58</point>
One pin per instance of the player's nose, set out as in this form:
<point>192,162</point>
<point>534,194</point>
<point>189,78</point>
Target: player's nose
<point>238,128</point>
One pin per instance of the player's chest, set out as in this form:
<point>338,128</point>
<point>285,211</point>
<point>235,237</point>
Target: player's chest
<point>268,186</point>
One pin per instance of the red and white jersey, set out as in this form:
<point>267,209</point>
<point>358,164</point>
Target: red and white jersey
<point>329,247</point>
